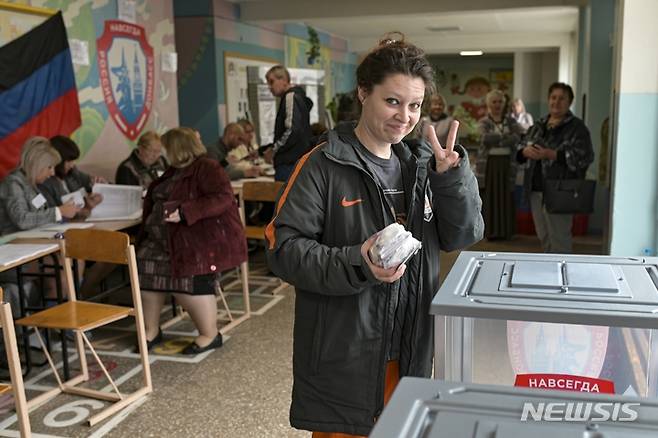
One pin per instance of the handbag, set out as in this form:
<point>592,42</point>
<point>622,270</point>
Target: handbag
<point>567,196</point>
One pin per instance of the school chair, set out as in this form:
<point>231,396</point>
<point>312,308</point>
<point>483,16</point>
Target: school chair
<point>80,316</point>
<point>260,191</point>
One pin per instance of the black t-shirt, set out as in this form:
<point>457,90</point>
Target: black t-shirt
<point>388,174</point>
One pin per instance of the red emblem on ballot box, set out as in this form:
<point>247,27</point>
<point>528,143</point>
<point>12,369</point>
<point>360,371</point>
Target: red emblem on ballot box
<point>539,347</point>
<point>126,70</point>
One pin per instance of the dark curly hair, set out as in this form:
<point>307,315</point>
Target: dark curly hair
<point>392,56</point>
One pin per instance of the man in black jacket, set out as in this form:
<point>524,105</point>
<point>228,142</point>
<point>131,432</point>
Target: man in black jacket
<point>292,129</point>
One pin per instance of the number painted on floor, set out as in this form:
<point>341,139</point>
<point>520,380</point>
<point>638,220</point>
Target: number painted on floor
<point>173,346</point>
<point>76,408</point>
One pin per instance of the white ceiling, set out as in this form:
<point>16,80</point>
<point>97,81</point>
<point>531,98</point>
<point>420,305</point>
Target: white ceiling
<point>491,25</point>
<point>494,31</point>
<point>522,20</point>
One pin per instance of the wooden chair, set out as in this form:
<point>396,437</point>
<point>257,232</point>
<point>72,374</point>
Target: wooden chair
<point>260,191</point>
<point>81,316</point>
<point>14,365</point>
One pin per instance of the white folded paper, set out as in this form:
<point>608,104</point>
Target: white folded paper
<point>78,197</point>
<point>393,246</point>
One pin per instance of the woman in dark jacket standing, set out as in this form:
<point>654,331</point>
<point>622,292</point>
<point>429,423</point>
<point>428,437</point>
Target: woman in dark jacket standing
<point>191,233</point>
<point>360,327</point>
<point>557,146</point>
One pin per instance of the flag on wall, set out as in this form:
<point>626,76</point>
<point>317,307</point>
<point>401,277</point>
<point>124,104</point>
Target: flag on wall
<point>38,95</point>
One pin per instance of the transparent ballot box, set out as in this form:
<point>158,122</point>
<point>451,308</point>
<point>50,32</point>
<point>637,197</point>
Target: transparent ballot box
<point>423,408</point>
<point>580,323</point>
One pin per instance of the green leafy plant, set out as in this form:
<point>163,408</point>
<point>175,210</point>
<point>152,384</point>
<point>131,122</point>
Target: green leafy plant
<point>314,51</point>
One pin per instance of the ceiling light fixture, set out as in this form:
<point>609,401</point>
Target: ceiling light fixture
<point>444,28</point>
<point>471,52</point>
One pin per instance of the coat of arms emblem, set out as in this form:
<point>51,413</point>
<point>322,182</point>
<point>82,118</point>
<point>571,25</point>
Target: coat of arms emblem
<point>126,70</point>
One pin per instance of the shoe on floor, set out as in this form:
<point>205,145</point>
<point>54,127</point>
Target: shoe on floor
<point>152,343</point>
<point>193,348</point>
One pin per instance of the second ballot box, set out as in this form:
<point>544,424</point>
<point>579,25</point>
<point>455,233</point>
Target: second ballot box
<point>561,322</point>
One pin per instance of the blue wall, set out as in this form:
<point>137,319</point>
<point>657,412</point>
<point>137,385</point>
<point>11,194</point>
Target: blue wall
<point>635,192</point>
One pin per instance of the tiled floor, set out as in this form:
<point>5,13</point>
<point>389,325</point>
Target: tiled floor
<point>240,390</point>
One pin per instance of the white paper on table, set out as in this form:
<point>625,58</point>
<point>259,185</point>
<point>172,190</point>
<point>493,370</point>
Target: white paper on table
<point>63,227</point>
<point>119,202</point>
<point>78,198</point>
<point>15,252</point>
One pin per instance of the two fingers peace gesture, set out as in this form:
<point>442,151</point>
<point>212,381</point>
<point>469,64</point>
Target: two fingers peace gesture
<point>445,158</point>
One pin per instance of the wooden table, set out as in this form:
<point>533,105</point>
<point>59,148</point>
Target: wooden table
<point>49,238</point>
<point>40,236</point>
<point>238,183</point>
<point>50,248</point>
<point>116,225</point>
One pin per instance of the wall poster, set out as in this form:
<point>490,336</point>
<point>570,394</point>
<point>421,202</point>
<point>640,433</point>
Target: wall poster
<point>235,83</point>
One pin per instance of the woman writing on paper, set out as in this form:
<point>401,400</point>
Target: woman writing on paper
<point>69,179</point>
<point>22,206</point>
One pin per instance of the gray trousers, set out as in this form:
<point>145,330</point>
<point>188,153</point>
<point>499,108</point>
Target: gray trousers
<point>554,230</point>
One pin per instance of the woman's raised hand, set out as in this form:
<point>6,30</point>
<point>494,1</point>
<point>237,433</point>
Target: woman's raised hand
<point>445,158</point>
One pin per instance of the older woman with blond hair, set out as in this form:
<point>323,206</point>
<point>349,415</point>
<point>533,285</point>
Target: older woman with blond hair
<point>22,206</point>
<point>499,134</point>
<point>145,163</point>
<point>438,117</point>
<point>522,117</point>
<point>191,233</point>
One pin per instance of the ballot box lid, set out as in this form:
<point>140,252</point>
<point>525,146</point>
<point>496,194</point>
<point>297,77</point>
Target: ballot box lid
<point>437,409</point>
<point>575,289</point>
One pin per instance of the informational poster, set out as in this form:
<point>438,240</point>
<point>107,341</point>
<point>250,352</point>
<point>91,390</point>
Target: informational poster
<point>235,77</point>
<point>126,11</point>
<point>79,52</point>
<point>267,114</point>
<point>169,62</point>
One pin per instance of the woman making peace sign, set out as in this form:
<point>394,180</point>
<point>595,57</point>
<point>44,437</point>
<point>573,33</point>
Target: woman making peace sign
<point>359,327</point>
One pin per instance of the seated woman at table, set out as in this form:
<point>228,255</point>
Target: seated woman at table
<point>68,178</point>
<point>22,206</point>
<point>191,232</point>
<point>145,164</point>
<point>220,151</point>
<point>248,149</point>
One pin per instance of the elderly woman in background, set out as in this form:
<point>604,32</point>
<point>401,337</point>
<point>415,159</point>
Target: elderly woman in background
<point>145,164</point>
<point>438,118</point>
<point>519,114</point>
<point>499,135</point>
<point>68,178</point>
<point>557,146</point>
<point>249,147</point>
<point>22,206</point>
<point>191,233</point>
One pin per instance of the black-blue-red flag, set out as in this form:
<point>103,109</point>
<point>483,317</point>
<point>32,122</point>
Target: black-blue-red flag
<point>38,95</point>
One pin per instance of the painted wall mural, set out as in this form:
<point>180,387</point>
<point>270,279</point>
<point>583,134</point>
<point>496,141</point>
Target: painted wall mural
<point>102,142</point>
<point>465,83</point>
